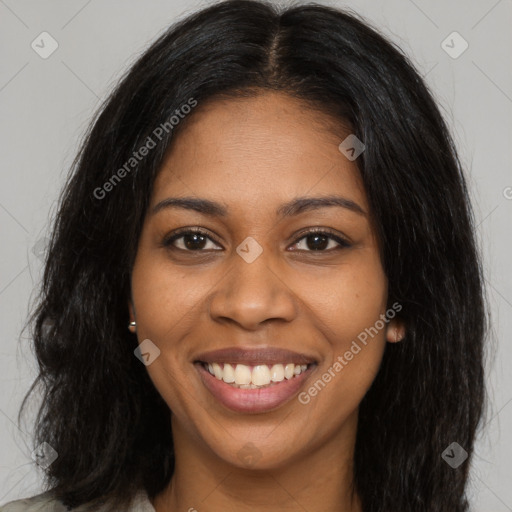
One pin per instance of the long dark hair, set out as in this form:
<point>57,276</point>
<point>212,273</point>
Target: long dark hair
<point>100,411</point>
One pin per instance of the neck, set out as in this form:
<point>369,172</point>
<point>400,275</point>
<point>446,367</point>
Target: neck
<point>320,479</point>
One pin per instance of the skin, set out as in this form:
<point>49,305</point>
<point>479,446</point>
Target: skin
<point>252,155</point>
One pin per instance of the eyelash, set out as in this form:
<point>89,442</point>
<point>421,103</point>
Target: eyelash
<point>170,239</point>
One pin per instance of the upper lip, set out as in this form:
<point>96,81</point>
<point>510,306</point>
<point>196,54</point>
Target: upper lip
<point>254,356</point>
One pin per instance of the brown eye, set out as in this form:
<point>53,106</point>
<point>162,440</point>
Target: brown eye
<point>192,240</point>
<point>321,241</point>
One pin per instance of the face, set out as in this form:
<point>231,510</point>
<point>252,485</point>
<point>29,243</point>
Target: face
<point>274,278</point>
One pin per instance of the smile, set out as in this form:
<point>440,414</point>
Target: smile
<point>253,380</point>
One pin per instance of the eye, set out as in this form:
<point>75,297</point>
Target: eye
<point>191,240</point>
<point>320,240</point>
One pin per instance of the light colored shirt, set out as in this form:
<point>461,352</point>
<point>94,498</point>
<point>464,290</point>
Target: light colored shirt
<point>46,503</point>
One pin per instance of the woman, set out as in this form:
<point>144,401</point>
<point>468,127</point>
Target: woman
<point>263,290</point>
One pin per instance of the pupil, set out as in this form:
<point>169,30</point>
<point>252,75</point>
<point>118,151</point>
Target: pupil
<point>324,242</point>
<point>195,237</point>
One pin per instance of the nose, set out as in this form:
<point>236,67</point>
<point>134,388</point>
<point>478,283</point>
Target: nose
<point>251,294</point>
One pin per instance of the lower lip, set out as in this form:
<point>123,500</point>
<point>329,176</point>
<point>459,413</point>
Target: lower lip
<point>252,400</point>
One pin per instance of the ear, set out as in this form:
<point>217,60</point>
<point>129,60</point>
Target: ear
<point>395,331</point>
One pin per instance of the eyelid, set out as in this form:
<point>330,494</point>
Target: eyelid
<point>343,242</point>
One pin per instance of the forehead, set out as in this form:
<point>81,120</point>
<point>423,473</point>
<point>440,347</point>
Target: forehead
<point>258,152</point>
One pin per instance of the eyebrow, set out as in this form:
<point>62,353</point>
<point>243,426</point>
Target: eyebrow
<point>294,207</point>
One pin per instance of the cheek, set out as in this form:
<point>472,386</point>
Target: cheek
<point>164,297</point>
<point>348,300</point>
<point>164,308</point>
<point>356,335</point>
<point>348,308</point>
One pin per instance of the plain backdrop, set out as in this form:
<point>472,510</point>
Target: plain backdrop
<point>47,103</point>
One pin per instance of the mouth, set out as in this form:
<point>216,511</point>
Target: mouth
<point>254,381</point>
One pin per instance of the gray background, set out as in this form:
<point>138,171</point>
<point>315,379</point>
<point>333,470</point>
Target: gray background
<point>46,104</point>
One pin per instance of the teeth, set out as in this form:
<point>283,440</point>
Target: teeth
<point>289,371</point>
<point>277,373</point>
<point>229,374</point>
<point>261,375</point>
<point>247,377</point>
<point>242,374</point>
<point>217,371</point>
<point>303,368</point>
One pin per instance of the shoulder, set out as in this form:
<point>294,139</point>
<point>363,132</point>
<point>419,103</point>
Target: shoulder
<point>46,502</point>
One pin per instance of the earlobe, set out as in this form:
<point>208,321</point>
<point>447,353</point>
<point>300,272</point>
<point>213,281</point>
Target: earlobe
<point>395,331</point>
